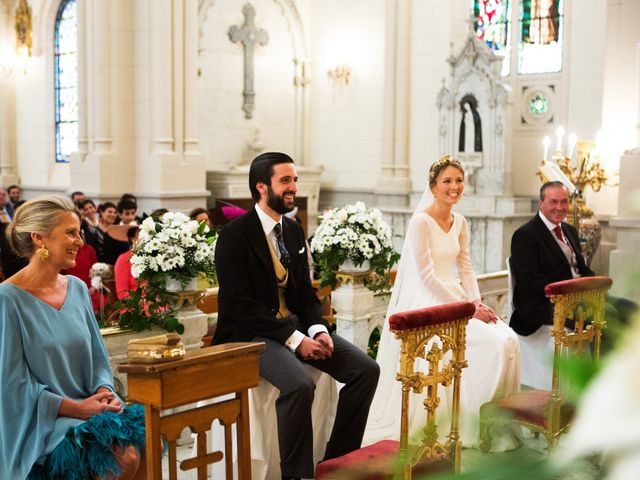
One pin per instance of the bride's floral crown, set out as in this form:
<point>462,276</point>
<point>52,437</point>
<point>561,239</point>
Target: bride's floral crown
<point>440,165</point>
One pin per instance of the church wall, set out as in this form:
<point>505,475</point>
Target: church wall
<point>436,25</point>
<point>7,104</point>
<point>620,94</point>
<point>347,121</point>
<point>226,135</point>
<point>34,110</point>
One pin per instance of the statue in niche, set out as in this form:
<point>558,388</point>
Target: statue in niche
<point>470,100</point>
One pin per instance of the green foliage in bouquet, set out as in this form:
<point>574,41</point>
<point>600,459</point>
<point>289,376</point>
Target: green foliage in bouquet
<point>147,306</point>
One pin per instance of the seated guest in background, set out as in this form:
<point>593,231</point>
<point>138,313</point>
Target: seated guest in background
<point>5,209</point>
<point>199,215</point>
<point>125,282</point>
<point>107,216</point>
<point>546,250</point>
<point>85,258</point>
<point>131,197</point>
<point>116,242</point>
<point>127,212</point>
<point>77,197</point>
<point>435,268</point>
<point>265,296</point>
<point>89,213</point>
<point>15,197</point>
<point>60,415</point>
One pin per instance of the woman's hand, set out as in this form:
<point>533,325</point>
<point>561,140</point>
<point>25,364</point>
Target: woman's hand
<point>114,400</point>
<point>484,313</point>
<point>94,405</point>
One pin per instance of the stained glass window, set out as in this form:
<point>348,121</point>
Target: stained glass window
<point>493,26</point>
<point>538,104</point>
<point>66,79</point>
<point>540,36</point>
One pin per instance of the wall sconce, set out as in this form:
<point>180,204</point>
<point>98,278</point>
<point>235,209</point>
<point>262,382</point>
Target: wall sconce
<point>341,74</point>
<point>23,29</point>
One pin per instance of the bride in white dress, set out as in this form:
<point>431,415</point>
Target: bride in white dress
<point>437,240</point>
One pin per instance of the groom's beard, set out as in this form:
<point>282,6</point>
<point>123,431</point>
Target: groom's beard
<point>276,203</point>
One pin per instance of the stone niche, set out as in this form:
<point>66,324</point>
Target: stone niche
<point>474,106</point>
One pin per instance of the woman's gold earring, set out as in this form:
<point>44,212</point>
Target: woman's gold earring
<point>42,252</point>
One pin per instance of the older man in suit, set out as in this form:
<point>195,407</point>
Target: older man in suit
<point>543,250</point>
<point>266,295</point>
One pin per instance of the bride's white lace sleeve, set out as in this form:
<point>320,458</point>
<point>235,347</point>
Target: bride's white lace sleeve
<point>465,267</point>
<point>420,237</point>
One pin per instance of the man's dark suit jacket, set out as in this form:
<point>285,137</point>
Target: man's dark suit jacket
<point>248,295</point>
<point>536,261</point>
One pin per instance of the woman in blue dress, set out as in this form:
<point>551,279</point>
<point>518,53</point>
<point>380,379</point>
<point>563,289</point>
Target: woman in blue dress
<point>60,416</point>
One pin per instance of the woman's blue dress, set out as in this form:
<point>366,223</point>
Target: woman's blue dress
<point>45,354</point>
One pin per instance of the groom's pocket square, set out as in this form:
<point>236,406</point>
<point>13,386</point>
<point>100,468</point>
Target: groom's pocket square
<point>302,250</point>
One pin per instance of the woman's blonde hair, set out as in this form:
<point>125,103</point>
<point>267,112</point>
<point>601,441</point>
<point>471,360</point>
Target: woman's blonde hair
<point>38,215</point>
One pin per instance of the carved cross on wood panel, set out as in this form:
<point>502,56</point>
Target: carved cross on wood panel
<point>249,36</point>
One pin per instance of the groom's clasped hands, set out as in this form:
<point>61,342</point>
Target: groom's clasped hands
<point>318,348</point>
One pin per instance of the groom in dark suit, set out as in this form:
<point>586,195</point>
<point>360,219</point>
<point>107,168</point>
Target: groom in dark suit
<point>543,250</point>
<point>266,295</point>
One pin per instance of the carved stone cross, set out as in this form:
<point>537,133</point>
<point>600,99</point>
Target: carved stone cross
<point>248,35</point>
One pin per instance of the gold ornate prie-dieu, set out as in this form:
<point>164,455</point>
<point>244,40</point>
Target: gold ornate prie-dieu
<point>544,411</point>
<point>443,347</point>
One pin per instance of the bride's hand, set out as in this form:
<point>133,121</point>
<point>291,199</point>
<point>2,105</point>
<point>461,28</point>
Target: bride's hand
<point>484,313</point>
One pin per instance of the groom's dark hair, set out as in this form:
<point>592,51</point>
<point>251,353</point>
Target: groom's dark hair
<point>261,170</point>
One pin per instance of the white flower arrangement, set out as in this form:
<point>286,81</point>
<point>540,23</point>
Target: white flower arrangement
<point>173,246</point>
<point>356,233</point>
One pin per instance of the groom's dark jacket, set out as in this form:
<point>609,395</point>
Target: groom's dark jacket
<point>248,295</point>
<point>537,260</point>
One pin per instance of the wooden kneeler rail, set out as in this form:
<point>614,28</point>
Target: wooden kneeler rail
<point>201,375</point>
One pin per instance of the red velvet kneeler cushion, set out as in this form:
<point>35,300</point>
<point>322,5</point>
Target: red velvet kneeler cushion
<point>529,406</point>
<point>576,285</point>
<point>372,462</point>
<point>423,317</point>
<point>375,462</point>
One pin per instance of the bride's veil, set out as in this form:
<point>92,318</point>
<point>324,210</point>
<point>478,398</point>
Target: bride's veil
<point>406,256</point>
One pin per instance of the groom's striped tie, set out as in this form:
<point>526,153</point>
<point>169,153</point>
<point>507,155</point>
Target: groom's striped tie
<point>284,254</point>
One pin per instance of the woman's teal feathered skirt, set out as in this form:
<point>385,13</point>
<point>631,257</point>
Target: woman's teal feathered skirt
<point>87,449</point>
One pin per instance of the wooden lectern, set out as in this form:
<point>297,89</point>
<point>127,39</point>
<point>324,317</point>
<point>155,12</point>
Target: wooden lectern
<point>201,375</point>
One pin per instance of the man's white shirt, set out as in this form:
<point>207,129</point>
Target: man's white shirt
<point>268,225</point>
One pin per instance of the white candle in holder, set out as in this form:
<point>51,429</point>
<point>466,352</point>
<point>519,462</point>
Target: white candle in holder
<point>572,144</point>
<point>546,141</point>
<point>560,134</point>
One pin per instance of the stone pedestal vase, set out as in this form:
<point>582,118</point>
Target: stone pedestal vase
<point>349,267</point>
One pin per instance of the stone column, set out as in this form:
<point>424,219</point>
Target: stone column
<point>8,170</point>
<point>353,303</point>
<point>624,261</point>
<point>105,133</point>
<point>170,168</point>
<point>394,185</point>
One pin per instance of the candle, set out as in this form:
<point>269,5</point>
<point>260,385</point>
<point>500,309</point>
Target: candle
<point>560,134</point>
<point>572,144</point>
<point>545,142</point>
